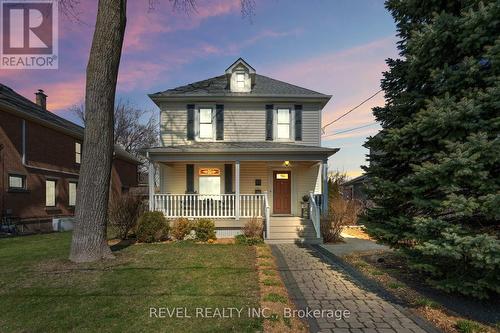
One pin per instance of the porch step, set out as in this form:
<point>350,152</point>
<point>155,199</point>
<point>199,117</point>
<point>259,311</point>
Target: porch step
<point>291,229</point>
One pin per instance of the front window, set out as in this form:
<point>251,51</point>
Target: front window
<point>78,152</point>
<point>206,124</point>
<point>17,182</point>
<point>240,80</point>
<point>72,193</point>
<point>50,193</point>
<point>283,124</point>
<point>209,185</point>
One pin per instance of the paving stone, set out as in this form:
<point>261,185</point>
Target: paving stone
<point>317,284</point>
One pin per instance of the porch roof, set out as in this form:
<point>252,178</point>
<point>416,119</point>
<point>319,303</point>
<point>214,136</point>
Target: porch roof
<point>265,150</point>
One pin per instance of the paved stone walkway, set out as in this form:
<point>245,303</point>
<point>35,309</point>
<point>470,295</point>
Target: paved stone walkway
<point>352,244</point>
<point>318,283</point>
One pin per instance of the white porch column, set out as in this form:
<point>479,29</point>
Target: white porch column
<point>151,184</point>
<point>237,189</point>
<point>324,201</point>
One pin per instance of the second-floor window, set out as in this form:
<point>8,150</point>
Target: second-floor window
<point>283,124</point>
<point>206,123</point>
<point>78,152</point>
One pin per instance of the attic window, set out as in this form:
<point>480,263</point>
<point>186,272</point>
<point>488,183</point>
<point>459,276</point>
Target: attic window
<point>240,80</point>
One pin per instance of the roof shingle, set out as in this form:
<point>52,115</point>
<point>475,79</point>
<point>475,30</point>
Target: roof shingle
<point>218,86</point>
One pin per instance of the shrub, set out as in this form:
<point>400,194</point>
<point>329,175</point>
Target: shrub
<point>253,228</point>
<point>205,230</point>
<point>124,210</point>
<point>427,303</point>
<point>242,239</point>
<point>181,227</point>
<point>341,213</point>
<point>152,227</point>
<point>468,326</point>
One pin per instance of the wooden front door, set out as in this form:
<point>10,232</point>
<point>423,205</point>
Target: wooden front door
<point>282,190</point>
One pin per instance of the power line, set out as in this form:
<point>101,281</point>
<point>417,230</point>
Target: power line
<point>349,130</point>
<point>354,108</point>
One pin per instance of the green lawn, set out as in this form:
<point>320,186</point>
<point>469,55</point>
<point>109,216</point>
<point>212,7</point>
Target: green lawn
<point>41,291</point>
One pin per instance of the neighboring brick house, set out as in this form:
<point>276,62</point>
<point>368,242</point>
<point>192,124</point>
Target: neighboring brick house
<point>40,155</point>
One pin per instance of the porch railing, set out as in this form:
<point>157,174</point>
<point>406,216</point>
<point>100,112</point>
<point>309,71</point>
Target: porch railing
<point>210,205</point>
<point>314,213</point>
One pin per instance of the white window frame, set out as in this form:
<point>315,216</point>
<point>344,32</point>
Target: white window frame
<point>23,182</point>
<point>78,152</point>
<point>72,203</point>
<point>277,123</point>
<point>238,82</point>
<point>199,123</point>
<point>216,194</point>
<point>50,202</point>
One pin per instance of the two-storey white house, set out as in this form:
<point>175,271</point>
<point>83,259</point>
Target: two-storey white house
<point>238,146</point>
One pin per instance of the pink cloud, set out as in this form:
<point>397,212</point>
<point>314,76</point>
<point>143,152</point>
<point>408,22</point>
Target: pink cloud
<point>235,48</point>
<point>65,94</point>
<point>350,75</point>
<point>143,25</point>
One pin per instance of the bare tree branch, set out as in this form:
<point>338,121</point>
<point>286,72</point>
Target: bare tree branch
<point>134,128</point>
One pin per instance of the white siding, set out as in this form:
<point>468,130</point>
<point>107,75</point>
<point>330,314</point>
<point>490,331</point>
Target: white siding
<point>242,122</point>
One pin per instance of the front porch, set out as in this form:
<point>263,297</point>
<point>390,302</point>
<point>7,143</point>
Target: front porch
<point>232,188</point>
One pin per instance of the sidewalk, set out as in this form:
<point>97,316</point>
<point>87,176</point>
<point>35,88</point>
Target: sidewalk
<point>352,244</point>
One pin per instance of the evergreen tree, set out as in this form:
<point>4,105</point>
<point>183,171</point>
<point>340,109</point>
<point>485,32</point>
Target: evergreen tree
<point>435,166</point>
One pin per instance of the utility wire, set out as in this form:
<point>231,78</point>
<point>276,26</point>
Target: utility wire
<point>354,108</point>
<point>348,130</point>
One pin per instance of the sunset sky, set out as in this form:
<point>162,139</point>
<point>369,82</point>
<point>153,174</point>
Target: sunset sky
<point>336,47</point>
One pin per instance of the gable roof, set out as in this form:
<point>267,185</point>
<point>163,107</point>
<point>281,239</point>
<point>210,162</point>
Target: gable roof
<point>240,61</point>
<point>19,105</point>
<point>218,87</point>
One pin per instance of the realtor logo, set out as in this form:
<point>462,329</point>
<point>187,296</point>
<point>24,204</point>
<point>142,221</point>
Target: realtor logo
<point>29,34</point>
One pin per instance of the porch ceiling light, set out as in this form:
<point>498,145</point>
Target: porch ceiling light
<point>286,163</point>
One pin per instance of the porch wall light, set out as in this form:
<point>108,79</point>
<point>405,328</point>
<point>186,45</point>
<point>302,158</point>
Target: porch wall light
<point>286,163</point>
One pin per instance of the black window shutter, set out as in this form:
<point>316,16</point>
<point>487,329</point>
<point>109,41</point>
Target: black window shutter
<point>219,118</point>
<point>190,121</point>
<point>298,122</point>
<point>189,178</point>
<point>269,121</point>
<point>228,178</point>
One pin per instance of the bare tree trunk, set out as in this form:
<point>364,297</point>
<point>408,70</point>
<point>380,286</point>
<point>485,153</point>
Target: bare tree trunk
<point>89,236</point>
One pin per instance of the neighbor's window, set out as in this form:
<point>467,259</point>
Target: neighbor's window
<point>206,125</point>
<point>209,185</point>
<point>78,152</point>
<point>72,193</point>
<point>17,182</point>
<point>50,193</point>
<point>240,80</point>
<point>283,124</point>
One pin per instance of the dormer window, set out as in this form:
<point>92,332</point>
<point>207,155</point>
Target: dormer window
<point>206,123</point>
<point>240,76</point>
<point>240,80</point>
